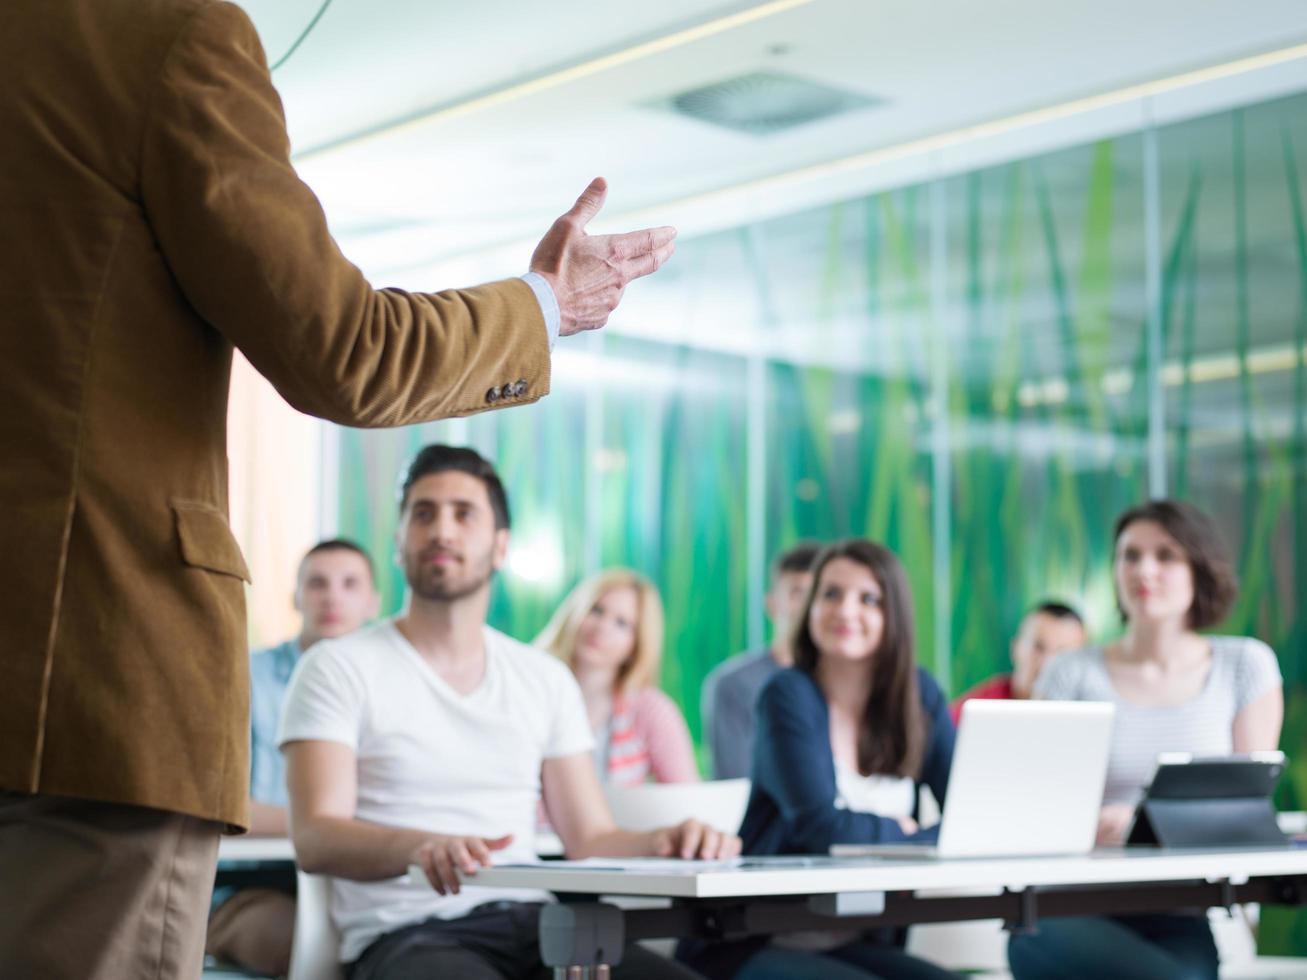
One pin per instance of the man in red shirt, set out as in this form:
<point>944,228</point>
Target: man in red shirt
<point>1047,630</point>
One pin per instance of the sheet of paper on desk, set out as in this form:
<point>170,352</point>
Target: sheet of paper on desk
<point>681,866</point>
<point>659,865</point>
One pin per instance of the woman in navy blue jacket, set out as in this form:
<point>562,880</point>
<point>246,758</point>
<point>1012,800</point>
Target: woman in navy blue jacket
<point>843,740</point>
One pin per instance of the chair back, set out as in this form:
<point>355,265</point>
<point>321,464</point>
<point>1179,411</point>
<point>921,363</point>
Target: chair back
<point>315,952</point>
<point>719,803</point>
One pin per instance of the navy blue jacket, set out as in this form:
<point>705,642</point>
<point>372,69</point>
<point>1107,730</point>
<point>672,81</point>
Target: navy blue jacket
<point>792,804</point>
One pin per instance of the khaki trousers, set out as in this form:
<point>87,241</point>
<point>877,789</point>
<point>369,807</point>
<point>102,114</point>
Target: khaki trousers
<point>102,891</point>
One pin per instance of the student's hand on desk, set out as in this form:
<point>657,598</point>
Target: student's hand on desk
<point>1113,820</point>
<point>588,273</point>
<point>692,839</point>
<point>442,857</point>
<point>908,825</point>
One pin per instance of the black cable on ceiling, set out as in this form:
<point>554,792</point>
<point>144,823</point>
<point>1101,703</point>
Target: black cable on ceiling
<point>303,34</point>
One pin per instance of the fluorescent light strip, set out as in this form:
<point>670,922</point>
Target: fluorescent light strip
<point>561,77</point>
<point>1219,367</point>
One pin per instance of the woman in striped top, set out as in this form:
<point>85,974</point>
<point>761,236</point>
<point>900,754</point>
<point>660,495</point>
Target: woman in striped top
<point>609,630</point>
<point>1175,690</point>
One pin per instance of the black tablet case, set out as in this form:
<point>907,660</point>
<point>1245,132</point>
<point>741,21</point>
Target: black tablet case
<point>1210,803</point>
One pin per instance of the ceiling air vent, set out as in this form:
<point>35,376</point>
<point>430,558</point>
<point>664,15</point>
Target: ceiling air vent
<point>764,102</point>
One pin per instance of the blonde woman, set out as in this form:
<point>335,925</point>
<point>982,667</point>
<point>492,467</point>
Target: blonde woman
<point>609,630</point>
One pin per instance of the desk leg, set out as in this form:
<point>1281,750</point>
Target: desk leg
<point>1027,923</point>
<point>582,941</point>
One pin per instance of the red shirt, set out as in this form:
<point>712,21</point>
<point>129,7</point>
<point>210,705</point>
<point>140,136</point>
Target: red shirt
<point>997,688</point>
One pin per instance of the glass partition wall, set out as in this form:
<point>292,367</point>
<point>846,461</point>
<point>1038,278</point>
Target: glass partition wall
<point>980,371</point>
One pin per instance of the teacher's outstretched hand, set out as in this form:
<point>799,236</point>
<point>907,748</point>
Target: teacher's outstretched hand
<point>589,273</point>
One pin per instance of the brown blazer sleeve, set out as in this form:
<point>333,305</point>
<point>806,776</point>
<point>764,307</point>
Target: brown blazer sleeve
<point>247,242</point>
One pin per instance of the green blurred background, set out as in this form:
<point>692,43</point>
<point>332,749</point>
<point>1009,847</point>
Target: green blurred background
<point>980,371</point>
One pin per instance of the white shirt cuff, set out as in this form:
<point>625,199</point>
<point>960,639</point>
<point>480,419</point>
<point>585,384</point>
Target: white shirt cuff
<point>548,304</point>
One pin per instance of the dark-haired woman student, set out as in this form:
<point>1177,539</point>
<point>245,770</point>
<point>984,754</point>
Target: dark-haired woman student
<point>843,739</point>
<point>1175,690</point>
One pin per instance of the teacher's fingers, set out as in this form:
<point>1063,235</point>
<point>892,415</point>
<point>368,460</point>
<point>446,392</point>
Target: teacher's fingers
<point>589,203</point>
<point>630,244</point>
<point>649,263</point>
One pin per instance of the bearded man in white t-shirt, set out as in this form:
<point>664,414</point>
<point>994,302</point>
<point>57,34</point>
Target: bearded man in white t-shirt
<point>427,739</point>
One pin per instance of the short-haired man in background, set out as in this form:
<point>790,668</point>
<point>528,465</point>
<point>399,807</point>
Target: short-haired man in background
<point>1047,630</point>
<point>335,594</point>
<point>730,691</point>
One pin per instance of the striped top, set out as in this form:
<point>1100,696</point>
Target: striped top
<point>1242,670</point>
<point>646,735</point>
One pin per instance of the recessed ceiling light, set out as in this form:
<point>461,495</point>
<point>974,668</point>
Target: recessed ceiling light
<point>764,102</point>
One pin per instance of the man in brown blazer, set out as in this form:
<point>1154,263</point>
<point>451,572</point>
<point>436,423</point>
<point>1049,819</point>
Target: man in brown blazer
<point>150,220</point>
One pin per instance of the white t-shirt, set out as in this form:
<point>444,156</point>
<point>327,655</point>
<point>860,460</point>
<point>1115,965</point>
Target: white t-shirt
<point>885,796</point>
<point>431,758</point>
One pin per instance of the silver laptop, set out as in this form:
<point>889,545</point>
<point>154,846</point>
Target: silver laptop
<point>1027,779</point>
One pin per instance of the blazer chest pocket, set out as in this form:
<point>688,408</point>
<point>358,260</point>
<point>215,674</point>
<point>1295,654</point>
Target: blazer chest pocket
<point>206,540</point>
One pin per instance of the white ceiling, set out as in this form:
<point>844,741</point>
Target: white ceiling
<point>406,200</point>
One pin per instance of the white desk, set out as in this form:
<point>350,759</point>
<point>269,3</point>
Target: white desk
<point>255,862</point>
<point>755,877</point>
<point>248,848</point>
<point>770,895</point>
<point>263,849</point>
